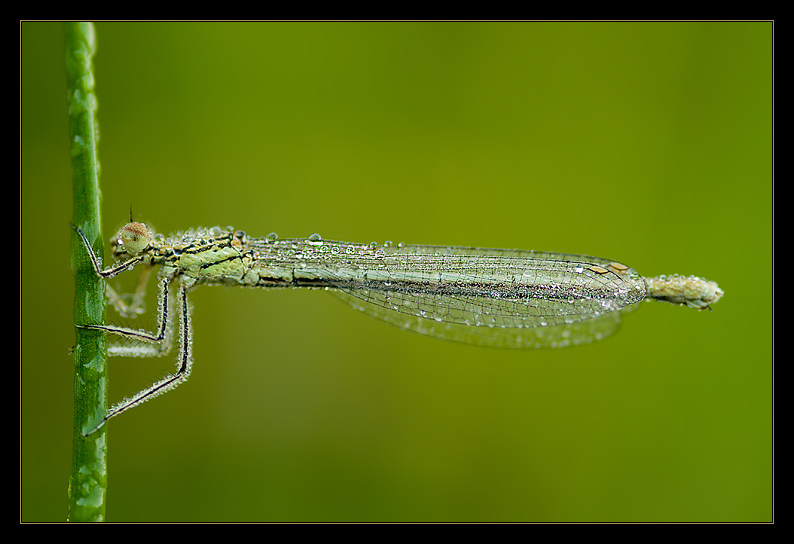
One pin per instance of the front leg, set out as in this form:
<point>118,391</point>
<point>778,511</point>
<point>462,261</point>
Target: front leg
<point>95,261</point>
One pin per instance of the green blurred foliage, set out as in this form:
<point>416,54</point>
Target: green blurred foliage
<point>650,143</point>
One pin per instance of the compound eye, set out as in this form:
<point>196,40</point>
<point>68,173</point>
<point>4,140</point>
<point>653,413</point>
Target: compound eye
<point>135,237</point>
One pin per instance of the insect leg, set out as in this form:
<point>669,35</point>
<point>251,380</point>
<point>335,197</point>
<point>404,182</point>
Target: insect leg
<point>168,383</point>
<point>130,306</point>
<point>161,336</point>
<point>107,272</point>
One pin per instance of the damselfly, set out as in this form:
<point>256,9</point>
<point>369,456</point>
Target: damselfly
<point>487,297</point>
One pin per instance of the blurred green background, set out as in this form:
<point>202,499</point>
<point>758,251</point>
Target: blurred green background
<point>649,143</point>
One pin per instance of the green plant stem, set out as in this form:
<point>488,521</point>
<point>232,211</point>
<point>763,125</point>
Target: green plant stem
<point>88,481</point>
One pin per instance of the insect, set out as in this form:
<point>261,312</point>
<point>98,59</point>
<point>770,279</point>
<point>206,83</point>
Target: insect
<point>488,297</point>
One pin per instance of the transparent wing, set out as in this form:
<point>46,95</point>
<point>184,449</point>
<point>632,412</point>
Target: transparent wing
<point>490,297</point>
<point>551,336</point>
